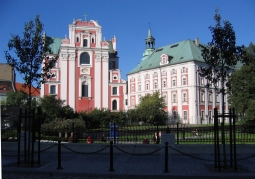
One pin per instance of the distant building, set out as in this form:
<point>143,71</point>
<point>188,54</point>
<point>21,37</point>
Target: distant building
<point>87,74</point>
<point>173,70</point>
<point>7,79</point>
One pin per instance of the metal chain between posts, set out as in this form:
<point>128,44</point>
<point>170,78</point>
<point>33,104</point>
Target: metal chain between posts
<point>191,155</point>
<point>139,154</point>
<point>244,158</point>
<point>31,153</point>
<point>85,152</point>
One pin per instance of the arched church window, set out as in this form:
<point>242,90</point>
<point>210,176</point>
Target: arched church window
<point>84,58</point>
<point>114,105</point>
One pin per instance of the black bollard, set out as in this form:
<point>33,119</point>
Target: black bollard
<point>166,158</point>
<point>59,155</point>
<point>111,157</point>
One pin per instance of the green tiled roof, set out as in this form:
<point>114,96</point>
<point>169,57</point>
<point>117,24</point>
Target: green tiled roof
<point>180,52</point>
<point>55,44</point>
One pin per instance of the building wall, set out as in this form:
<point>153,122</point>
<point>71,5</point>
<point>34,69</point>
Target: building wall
<point>72,74</point>
<point>195,105</point>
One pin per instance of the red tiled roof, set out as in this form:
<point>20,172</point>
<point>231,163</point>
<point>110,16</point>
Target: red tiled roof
<point>35,91</point>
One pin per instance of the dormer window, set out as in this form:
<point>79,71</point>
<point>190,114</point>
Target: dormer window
<point>164,59</point>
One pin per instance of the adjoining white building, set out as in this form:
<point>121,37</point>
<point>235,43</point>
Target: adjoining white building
<point>173,70</point>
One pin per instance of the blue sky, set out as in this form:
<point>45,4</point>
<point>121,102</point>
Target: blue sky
<point>170,21</point>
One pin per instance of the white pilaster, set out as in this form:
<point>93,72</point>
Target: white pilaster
<point>72,85</point>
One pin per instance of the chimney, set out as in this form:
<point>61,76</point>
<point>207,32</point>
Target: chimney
<point>197,42</point>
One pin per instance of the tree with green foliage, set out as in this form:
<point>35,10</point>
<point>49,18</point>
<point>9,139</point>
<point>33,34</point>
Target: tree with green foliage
<point>51,106</point>
<point>242,84</point>
<point>221,56</point>
<point>151,109</point>
<point>18,98</point>
<point>30,52</point>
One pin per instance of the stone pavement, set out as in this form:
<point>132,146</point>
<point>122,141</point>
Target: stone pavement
<point>96,166</point>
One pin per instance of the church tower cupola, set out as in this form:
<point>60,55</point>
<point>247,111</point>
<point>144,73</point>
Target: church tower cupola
<point>150,41</point>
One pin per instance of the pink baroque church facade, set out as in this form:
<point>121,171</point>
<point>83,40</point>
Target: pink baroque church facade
<point>86,74</point>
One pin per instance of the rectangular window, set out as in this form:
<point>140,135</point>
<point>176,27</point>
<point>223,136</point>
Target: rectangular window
<point>155,85</point>
<point>174,98</point>
<point>139,87</point>
<point>52,89</point>
<point>85,90</point>
<point>201,81</point>
<point>183,69</point>
<point>210,97</point>
<point>126,101</point>
<point>184,97</point>
<point>217,98</point>
<point>133,88</point>
<point>164,84</point>
<point>165,99</point>
<point>184,81</point>
<point>202,114</point>
<point>133,102</point>
<point>202,97</point>
<point>173,71</point>
<point>185,115</point>
<point>85,42</point>
<point>114,90</point>
<point>147,86</point>
<point>174,82</point>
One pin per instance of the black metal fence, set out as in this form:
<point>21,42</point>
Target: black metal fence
<point>139,134</point>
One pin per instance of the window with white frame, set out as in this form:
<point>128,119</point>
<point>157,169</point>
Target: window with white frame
<point>165,99</point>
<point>174,82</point>
<point>85,89</point>
<point>163,60</point>
<point>201,80</point>
<point>217,98</point>
<point>52,89</point>
<point>155,85</point>
<point>173,71</point>
<point>210,97</point>
<point>164,73</point>
<point>139,87</point>
<point>202,96</point>
<point>114,105</point>
<point>114,90</point>
<point>183,69</point>
<point>185,115</point>
<point>146,76</point>
<point>126,102</point>
<point>174,100</point>
<point>202,114</point>
<point>184,97</point>
<point>84,58</point>
<point>133,101</point>
<point>155,74</point>
<point>77,39</point>
<point>85,42</point>
<point>184,81</point>
<point>139,78</point>
<point>164,84</point>
<point>93,40</point>
<point>147,85</point>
